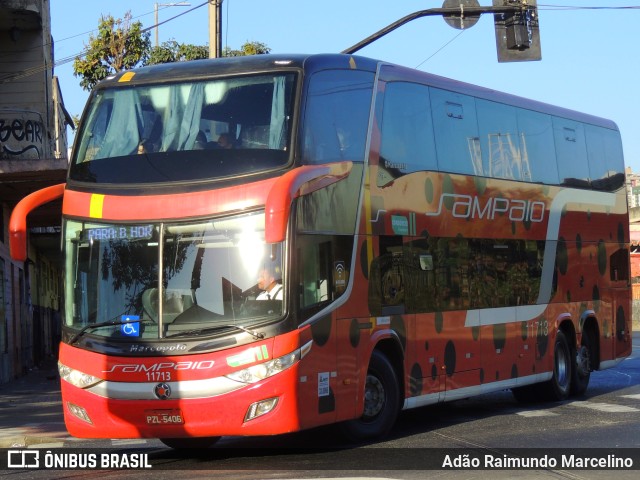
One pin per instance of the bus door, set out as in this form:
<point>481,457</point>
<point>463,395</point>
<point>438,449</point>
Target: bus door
<point>329,373</point>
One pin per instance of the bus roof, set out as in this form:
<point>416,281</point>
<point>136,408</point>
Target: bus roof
<point>200,69</point>
<point>235,65</point>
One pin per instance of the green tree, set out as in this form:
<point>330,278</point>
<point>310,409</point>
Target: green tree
<point>123,45</point>
<point>248,48</point>
<point>172,51</point>
<point>119,45</point>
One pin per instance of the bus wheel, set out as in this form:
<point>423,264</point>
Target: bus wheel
<point>189,442</point>
<point>582,365</point>
<point>559,386</point>
<point>381,402</point>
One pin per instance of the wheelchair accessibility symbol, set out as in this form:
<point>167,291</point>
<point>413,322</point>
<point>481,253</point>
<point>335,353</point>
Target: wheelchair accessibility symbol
<point>132,327</point>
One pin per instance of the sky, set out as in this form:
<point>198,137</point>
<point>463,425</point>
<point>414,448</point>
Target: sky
<point>590,59</point>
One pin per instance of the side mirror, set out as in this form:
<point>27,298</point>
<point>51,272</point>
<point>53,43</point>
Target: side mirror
<point>18,220</point>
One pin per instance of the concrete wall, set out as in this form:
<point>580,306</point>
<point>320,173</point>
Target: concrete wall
<point>33,147</point>
<point>27,116</point>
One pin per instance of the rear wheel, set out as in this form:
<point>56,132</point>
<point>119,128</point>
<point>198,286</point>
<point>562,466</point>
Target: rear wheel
<point>582,366</point>
<point>381,402</point>
<point>189,442</point>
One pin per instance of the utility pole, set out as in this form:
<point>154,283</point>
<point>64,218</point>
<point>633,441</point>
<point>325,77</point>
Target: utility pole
<point>215,28</point>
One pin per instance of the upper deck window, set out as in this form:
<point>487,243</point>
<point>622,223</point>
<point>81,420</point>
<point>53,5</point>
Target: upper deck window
<point>186,131</point>
<point>337,116</point>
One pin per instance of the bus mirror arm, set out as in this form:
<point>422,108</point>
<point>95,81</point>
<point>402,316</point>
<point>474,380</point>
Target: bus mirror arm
<point>18,220</point>
<point>294,183</point>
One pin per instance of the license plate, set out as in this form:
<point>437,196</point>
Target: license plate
<point>163,417</point>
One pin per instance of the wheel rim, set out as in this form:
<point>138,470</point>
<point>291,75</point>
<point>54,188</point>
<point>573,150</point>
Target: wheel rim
<point>374,397</point>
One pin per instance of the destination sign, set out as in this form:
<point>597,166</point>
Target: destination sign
<point>135,232</point>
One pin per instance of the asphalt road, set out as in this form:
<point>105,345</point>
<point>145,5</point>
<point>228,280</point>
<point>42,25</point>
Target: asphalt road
<point>607,418</point>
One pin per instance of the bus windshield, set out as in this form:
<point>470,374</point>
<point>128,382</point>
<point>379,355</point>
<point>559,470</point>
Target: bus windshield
<point>185,131</point>
<point>218,273</point>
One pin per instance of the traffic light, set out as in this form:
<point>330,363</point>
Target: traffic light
<point>518,32</point>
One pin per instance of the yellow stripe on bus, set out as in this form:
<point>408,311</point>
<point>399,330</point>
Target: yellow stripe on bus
<point>95,207</point>
<point>126,77</point>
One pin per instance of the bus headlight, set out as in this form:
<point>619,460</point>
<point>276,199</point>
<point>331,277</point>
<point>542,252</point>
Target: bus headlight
<point>255,373</point>
<point>76,377</point>
<point>259,372</point>
<point>260,408</point>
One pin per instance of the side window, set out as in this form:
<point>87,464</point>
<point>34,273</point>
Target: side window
<point>619,262</point>
<point>606,163</point>
<point>500,143</point>
<point>571,150</point>
<point>407,143</point>
<point>388,277</point>
<point>336,116</point>
<point>322,263</point>
<point>440,274</point>
<point>537,146</point>
<point>456,132</point>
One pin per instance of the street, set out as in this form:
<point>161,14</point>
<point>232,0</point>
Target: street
<point>607,417</point>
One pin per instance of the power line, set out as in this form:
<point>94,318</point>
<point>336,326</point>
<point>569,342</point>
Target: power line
<point>571,7</point>
<point>441,48</point>
<point>174,17</point>
<point>34,70</point>
<point>54,42</point>
<point>41,68</point>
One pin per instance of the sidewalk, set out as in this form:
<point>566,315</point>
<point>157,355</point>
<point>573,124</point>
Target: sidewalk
<point>31,409</point>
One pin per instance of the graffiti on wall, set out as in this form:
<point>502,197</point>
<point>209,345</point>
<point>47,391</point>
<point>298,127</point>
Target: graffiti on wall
<point>21,135</point>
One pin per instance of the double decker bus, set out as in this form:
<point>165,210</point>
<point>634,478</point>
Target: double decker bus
<point>431,240</point>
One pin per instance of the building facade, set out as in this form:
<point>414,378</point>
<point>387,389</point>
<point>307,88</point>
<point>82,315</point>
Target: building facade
<point>633,188</point>
<point>33,155</point>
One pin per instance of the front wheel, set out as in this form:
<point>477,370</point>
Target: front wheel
<point>381,402</point>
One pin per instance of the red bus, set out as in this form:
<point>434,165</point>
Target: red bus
<point>428,240</point>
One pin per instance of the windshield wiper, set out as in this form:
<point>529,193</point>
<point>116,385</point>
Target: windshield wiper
<point>91,326</point>
<point>204,331</point>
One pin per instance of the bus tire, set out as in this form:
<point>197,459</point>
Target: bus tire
<point>381,402</point>
<point>559,387</point>
<point>189,442</point>
<point>582,364</point>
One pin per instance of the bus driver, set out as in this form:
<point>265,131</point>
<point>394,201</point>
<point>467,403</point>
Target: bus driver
<point>271,288</point>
